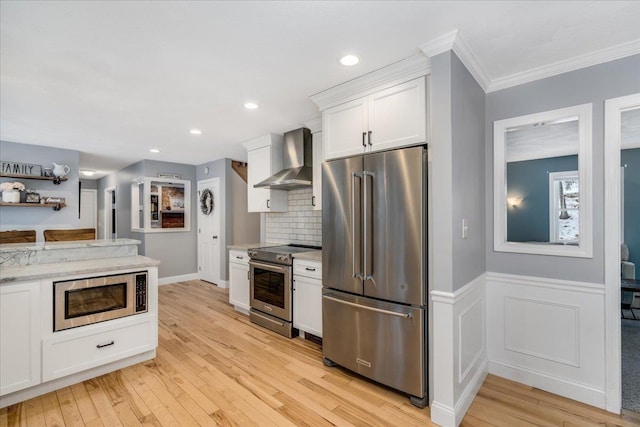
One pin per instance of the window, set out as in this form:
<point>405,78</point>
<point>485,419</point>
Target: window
<point>564,207</point>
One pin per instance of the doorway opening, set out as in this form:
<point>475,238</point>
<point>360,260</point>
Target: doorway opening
<point>110,209</point>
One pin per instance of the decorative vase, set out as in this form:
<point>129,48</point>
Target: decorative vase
<point>11,196</point>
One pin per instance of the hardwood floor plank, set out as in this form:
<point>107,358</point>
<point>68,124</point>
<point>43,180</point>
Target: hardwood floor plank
<point>35,413</point>
<point>214,367</point>
<point>70,411</point>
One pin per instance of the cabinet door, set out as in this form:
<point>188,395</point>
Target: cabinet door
<point>343,127</point>
<point>20,352</point>
<point>239,286</point>
<point>397,116</point>
<point>307,305</point>
<point>259,161</point>
<point>261,168</point>
<point>318,158</point>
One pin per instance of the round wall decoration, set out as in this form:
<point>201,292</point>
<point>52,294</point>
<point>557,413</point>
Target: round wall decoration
<point>206,201</point>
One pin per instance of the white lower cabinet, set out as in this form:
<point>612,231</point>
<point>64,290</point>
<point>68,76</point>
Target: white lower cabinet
<point>20,352</point>
<point>239,280</point>
<point>67,352</point>
<point>307,296</point>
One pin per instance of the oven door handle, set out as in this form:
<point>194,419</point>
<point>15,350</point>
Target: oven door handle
<point>270,267</point>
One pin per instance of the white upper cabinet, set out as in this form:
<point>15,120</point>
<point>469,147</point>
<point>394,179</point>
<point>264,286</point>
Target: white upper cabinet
<point>264,157</point>
<point>390,118</point>
<point>345,129</point>
<point>318,158</point>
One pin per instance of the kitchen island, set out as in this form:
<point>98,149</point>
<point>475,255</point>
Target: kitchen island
<point>71,311</point>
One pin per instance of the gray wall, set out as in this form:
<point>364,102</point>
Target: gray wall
<point>89,184</point>
<point>458,192</point>
<point>468,119</point>
<point>176,251</point>
<point>588,85</point>
<point>21,218</point>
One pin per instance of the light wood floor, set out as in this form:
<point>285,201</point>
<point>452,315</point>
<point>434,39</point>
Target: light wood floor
<point>215,368</point>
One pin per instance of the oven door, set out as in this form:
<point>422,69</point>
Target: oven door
<point>85,301</point>
<point>271,289</point>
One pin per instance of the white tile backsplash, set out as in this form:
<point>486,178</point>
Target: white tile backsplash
<point>301,225</point>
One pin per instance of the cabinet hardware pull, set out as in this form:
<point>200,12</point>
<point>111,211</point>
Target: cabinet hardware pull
<point>369,138</point>
<point>313,200</point>
<point>215,237</point>
<point>248,275</point>
<point>105,345</point>
<point>240,257</point>
<point>268,203</point>
<point>310,269</point>
<point>364,144</point>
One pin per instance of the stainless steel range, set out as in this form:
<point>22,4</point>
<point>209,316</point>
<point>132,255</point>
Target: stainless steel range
<point>271,294</point>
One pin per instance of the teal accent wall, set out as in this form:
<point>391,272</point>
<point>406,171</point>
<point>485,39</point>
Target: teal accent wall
<point>529,179</point>
<point>630,160</point>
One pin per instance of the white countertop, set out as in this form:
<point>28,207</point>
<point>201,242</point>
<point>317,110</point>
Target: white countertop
<point>311,255</point>
<point>24,273</point>
<point>42,246</point>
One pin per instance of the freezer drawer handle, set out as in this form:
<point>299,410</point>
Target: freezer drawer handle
<point>377,310</point>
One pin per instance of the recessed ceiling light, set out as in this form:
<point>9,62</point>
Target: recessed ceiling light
<point>195,132</point>
<point>250,105</point>
<point>87,172</point>
<point>349,60</point>
<point>154,150</point>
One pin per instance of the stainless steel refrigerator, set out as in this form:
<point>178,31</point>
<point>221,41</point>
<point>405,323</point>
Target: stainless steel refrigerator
<point>374,268</point>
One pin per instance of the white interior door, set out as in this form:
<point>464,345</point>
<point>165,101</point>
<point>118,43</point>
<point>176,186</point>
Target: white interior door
<point>88,208</point>
<point>209,232</point>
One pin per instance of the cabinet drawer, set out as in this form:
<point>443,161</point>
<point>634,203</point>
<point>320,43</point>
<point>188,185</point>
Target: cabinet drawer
<point>239,257</point>
<point>306,268</point>
<point>76,350</point>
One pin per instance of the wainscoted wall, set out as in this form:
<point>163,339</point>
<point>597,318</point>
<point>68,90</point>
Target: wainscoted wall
<point>461,359</point>
<point>301,224</point>
<point>548,334</point>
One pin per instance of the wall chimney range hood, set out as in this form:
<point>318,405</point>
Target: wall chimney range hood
<point>297,163</point>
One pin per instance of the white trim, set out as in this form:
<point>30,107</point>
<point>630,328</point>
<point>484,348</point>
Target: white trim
<point>585,129</point>
<point>583,393</point>
<point>394,74</point>
<point>612,145</point>
<point>554,232</point>
<point>581,61</point>
<point>454,41</point>
<point>314,125</point>
<point>179,278</point>
<point>540,282</point>
<point>457,382</point>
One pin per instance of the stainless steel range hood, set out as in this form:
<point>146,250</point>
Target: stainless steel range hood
<point>297,163</point>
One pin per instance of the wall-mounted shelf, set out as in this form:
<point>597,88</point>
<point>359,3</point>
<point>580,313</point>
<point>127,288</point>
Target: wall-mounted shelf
<point>55,206</point>
<point>56,180</point>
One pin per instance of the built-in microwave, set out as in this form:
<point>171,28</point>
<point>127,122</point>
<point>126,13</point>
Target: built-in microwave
<point>96,299</point>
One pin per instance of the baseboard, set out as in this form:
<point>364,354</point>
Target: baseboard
<point>179,278</point>
<point>580,392</point>
<point>442,415</point>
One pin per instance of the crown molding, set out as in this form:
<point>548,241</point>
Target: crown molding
<point>454,41</point>
<point>564,66</point>
<point>314,125</point>
<point>399,72</point>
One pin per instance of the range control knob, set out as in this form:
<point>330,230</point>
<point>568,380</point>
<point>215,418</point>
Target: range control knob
<point>252,253</point>
<point>282,257</point>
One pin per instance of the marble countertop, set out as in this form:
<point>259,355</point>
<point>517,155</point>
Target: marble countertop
<point>311,255</point>
<point>42,246</point>
<point>24,273</point>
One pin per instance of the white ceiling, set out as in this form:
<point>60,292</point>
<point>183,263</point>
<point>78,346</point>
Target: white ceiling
<point>114,79</point>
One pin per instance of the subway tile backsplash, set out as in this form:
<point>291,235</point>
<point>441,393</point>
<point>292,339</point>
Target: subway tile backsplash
<point>301,225</point>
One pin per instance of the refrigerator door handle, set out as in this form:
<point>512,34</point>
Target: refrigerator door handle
<point>367,246</point>
<point>355,243</point>
<point>377,310</point>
